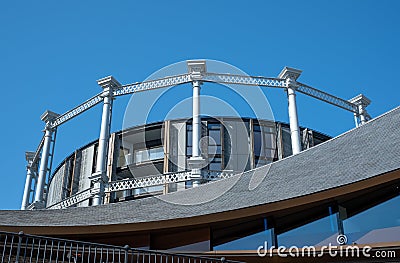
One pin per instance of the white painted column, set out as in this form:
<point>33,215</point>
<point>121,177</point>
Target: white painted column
<point>356,119</point>
<point>361,110</point>
<point>196,122</point>
<point>361,102</point>
<point>47,117</point>
<point>104,134</point>
<point>28,182</point>
<point>293,121</point>
<point>291,75</point>
<point>99,178</point>
<point>196,68</point>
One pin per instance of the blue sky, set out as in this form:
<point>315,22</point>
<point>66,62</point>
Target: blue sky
<point>52,53</point>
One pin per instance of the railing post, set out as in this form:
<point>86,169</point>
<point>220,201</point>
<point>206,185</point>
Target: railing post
<point>196,68</point>
<point>361,102</point>
<point>47,117</point>
<point>99,178</point>
<point>20,236</point>
<point>291,75</point>
<point>126,249</point>
<point>28,182</point>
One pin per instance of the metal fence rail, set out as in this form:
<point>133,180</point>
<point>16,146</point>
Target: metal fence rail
<point>19,247</point>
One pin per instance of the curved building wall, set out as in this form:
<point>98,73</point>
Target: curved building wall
<point>228,144</point>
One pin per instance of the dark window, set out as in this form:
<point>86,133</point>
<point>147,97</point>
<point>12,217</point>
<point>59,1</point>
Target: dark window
<point>214,146</point>
<point>189,133</point>
<point>264,144</point>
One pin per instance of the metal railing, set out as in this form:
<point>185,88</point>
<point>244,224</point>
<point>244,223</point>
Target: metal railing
<point>20,247</point>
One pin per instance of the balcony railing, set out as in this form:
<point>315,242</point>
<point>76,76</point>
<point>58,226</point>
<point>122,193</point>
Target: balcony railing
<point>21,248</point>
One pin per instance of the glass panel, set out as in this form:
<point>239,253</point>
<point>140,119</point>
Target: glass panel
<point>214,149</point>
<point>317,233</point>
<point>270,153</point>
<point>189,151</point>
<point>269,140</point>
<point>287,142</point>
<point>156,153</point>
<point>380,223</point>
<point>149,154</point>
<point>215,137</point>
<point>256,128</point>
<point>257,143</point>
<point>251,242</point>
<point>215,166</point>
<point>189,138</point>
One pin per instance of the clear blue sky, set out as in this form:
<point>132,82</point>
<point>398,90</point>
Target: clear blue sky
<point>52,53</point>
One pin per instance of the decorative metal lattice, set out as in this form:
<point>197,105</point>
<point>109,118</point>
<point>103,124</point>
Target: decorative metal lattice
<point>217,175</point>
<point>73,200</point>
<point>318,94</point>
<point>147,181</point>
<point>77,110</point>
<point>207,77</point>
<point>244,80</point>
<point>38,150</point>
<point>152,84</point>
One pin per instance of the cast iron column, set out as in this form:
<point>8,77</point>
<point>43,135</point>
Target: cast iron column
<point>48,117</point>
<point>29,176</point>
<point>291,75</point>
<point>196,68</point>
<point>99,178</point>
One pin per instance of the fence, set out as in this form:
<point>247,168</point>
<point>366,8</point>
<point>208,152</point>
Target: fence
<point>20,247</point>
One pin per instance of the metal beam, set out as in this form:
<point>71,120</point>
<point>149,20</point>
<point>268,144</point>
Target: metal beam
<point>77,110</point>
<point>318,94</point>
<point>152,84</point>
<point>244,80</point>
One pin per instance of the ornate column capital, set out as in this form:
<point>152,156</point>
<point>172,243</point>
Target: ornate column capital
<point>291,75</point>
<point>360,100</point>
<point>109,84</point>
<point>48,117</point>
<point>197,69</point>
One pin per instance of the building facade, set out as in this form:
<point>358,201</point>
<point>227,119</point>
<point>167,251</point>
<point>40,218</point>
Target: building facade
<point>229,146</point>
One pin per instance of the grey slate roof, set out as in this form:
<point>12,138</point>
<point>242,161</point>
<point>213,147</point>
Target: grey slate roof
<point>362,153</point>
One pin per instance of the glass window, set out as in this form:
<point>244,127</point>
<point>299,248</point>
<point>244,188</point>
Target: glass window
<point>380,223</point>
<point>250,241</point>
<point>257,143</point>
<point>145,155</point>
<point>317,233</point>
<point>189,134</point>
<point>264,144</point>
<point>215,137</point>
<point>215,164</point>
<point>214,146</point>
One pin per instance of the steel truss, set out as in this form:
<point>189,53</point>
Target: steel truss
<point>208,77</point>
<point>221,78</point>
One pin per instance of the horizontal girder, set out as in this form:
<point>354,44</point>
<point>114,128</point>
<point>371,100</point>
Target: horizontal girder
<point>244,80</point>
<point>152,84</point>
<point>221,78</point>
<point>77,110</point>
<point>318,94</point>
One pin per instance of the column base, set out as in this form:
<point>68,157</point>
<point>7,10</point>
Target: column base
<point>195,164</point>
<point>37,205</point>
